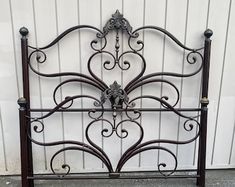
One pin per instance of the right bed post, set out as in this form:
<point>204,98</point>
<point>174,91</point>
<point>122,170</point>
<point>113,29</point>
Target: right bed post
<point>204,110</point>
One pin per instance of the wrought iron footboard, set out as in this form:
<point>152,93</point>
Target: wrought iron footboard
<point>119,100</point>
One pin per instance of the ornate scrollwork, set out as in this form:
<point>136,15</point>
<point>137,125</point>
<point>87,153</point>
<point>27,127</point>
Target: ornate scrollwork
<point>76,145</point>
<point>115,94</point>
<point>136,151</point>
<point>118,96</point>
<point>38,128</point>
<point>117,22</point>
<point>41,56</point>
<point>192,57</point>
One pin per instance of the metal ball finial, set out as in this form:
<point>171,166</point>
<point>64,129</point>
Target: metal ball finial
<point>22,102</point>
<point>24,31</point>
<point>208,33</point>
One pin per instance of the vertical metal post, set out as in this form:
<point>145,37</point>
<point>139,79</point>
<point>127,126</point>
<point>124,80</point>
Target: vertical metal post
<point>204,110</point>
<point>23,142</point>
<point>26,146</point>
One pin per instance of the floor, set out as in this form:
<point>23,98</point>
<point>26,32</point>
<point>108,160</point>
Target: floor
<point>218,178</point>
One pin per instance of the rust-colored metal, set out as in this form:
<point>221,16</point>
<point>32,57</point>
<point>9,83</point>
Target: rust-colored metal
<point>26,145</point>
<point>204,102</point>
<point>120,102</point>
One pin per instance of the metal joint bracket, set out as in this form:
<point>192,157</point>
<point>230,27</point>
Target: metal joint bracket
<point>204,100</point>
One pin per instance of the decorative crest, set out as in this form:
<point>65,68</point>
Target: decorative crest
<point>117,22</point>
<point>115,94</point>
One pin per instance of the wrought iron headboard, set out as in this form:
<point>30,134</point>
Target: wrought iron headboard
<point>119,101</point>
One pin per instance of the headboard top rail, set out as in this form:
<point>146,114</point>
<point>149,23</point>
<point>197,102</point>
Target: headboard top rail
<point>116,23</point>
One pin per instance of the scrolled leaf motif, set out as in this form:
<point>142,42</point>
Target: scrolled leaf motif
<point>115,94</point>
<point>117,22</point>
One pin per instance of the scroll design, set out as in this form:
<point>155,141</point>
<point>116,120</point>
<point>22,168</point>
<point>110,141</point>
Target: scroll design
<point>117,96</point>
<point>117,22</point>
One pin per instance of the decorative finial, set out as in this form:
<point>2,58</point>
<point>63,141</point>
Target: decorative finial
<point>117,22</point>
<point>24,31</point>
<point>117,16</point>
<point>22,102</point>
<point>115,94</point>
<point>208,33</point>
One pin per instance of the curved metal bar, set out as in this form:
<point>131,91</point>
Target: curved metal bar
<point>135,152</point>
<point>94,42</point>
<point>89,66</point>
<point>168,106</point>
<point>105,131</point>
<point>139,42</point>
<point>62,143</point>
<point>63,34</point>
<point>62,74</point>
<point>171,141</point>
<point>131,148</point>
<point>70,99</point>
<point>136,112</point>
<point>154,81</point>
<point>168,141</point>
<point>95,145</point>
<point>114,129</point>
<point>167,33</point>
<point>116,61</point>
<point>35,127</point>
<point>126,132</point>
<point>170,74</point>
<point>107,62</point>
<point>143,67</point>
<point>129,151</point>
<point>83,145</point>
<point>69,81</point>
<point>80,149</point>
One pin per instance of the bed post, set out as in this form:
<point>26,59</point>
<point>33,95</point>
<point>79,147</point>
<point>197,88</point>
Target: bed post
<point>24,103</point>
<point>204,110</point>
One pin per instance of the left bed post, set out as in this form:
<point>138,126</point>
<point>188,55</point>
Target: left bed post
<point>24,103</point>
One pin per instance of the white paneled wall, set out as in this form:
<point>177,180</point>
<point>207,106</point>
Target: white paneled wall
<point>186,19</point>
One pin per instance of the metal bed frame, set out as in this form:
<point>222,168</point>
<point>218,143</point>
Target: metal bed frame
<point>119,101</point>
